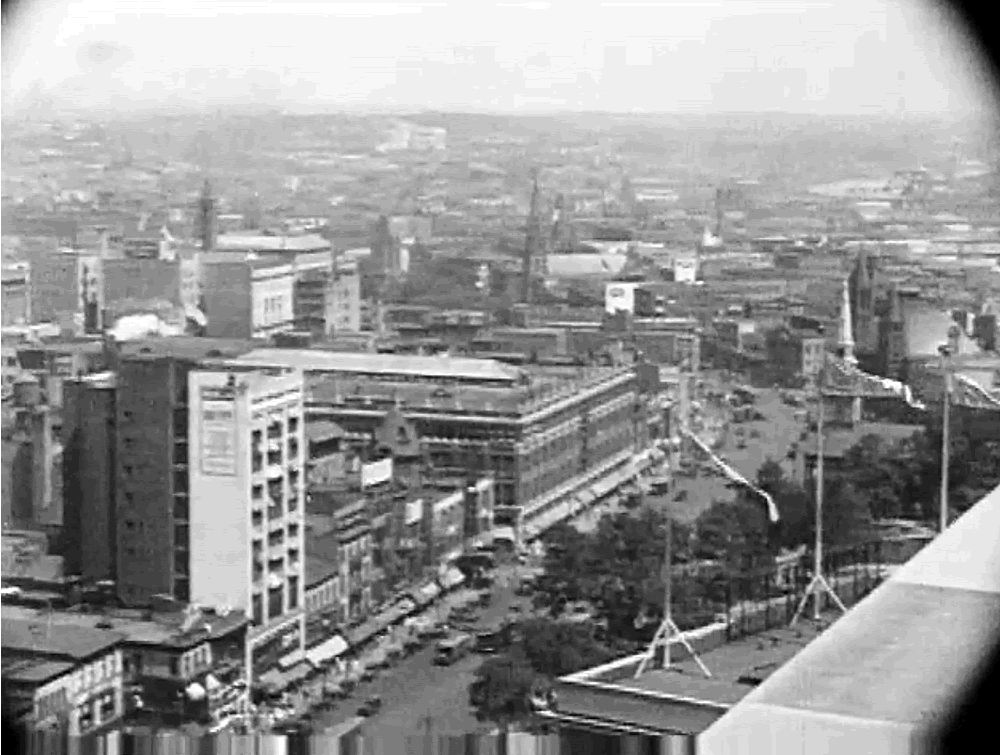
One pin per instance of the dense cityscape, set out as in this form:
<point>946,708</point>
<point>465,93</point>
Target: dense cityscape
<point>388,433</point>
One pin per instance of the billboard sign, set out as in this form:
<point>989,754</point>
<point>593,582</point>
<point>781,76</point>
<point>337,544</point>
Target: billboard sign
<point>685,269</point>
<point>218,438</point>
<point>619,297</point>
<point>375,473</point>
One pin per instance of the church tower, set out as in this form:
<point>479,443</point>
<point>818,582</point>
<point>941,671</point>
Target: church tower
<point>206,218</point>
<point>863,305</point>
<point>846,410</point>
<point>894,339</point>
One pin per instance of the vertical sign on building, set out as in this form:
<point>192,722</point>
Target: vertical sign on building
<point>218,437</point>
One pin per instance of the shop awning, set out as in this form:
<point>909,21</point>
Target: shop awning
<point>195,691</point>
<point>297,673</point>
<point>361,633</point>
<point>424,595</point>
<point>402,609</point>
<point>326,650</point>
<point>452,577</point>
<point>607,484</point>
<point>271,680</point>
<point>276,680</point>
<point>287,661</point>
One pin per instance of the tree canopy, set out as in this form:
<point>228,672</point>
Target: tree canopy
<point>501,689</point>
<point>555,648</point>
<point>902,479</point>
<point>543,650</point>
<point>618,568</point>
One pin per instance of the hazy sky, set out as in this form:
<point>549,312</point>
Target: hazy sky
<point>330,52</point>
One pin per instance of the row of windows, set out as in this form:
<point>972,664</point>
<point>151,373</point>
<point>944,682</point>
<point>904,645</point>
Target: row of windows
<point>324,595</point>
<point>51,703</point>
<point>93,713</point>
<point>276,600</point>
<point>94,674</point>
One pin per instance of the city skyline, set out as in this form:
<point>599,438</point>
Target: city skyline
<point>620,57</point>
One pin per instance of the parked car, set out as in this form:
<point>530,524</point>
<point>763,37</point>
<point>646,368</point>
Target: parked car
<point>370,707</point>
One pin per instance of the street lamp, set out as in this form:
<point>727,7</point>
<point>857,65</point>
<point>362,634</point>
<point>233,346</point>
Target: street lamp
<point>946,352</point>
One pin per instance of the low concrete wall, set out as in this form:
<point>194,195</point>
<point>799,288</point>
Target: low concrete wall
<point>745,619</point>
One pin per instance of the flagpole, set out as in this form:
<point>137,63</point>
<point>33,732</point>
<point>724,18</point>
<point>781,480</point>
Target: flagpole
<point>668,585</point>
<point>945,436</point>
<point>818,584</point>
<point>668,631</point>
<point>820,459</point>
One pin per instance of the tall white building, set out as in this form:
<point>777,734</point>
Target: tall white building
<point>247,525</point>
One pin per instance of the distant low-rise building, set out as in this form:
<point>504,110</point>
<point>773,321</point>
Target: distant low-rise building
<point>343,300</point>
<point>64,680</point>
<point>796,352</point>
<point>15,298</point>
<point>171,665</point>
<point>247,298</point>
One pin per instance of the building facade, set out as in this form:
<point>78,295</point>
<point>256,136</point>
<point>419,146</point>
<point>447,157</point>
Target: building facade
<point>540,435</point>
<point>247,473</point>
<point>89,476</point>
<point>15,301</point>
<point>55,288</point>
<point>343,301</point>
<point>247,299</point>
<point>313,273</point>
<point>66,681</point>
<point>152,489</point>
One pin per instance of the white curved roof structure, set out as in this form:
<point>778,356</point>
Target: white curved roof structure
<point>886,675</point>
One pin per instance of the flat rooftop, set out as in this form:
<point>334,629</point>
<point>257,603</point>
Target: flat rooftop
<point>81,346</point>
<point>416,396</point>
<point>80,629</point>
<point>34,670</point>
<point>754,657</point>
<point>31,632</point>
<point>442,368</point>
<point>510,399</point>
<point>241,242</point>
<point>186,347</point>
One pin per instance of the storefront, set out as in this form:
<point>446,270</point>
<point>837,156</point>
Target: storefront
<point>276,646</point>
<point>276,680</point>
<point>359,635</point>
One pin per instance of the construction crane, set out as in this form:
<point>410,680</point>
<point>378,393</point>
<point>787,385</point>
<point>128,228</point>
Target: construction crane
<point>531,238</point>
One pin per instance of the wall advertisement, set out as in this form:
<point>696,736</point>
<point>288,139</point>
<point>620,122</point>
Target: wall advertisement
<point>218,438</point>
